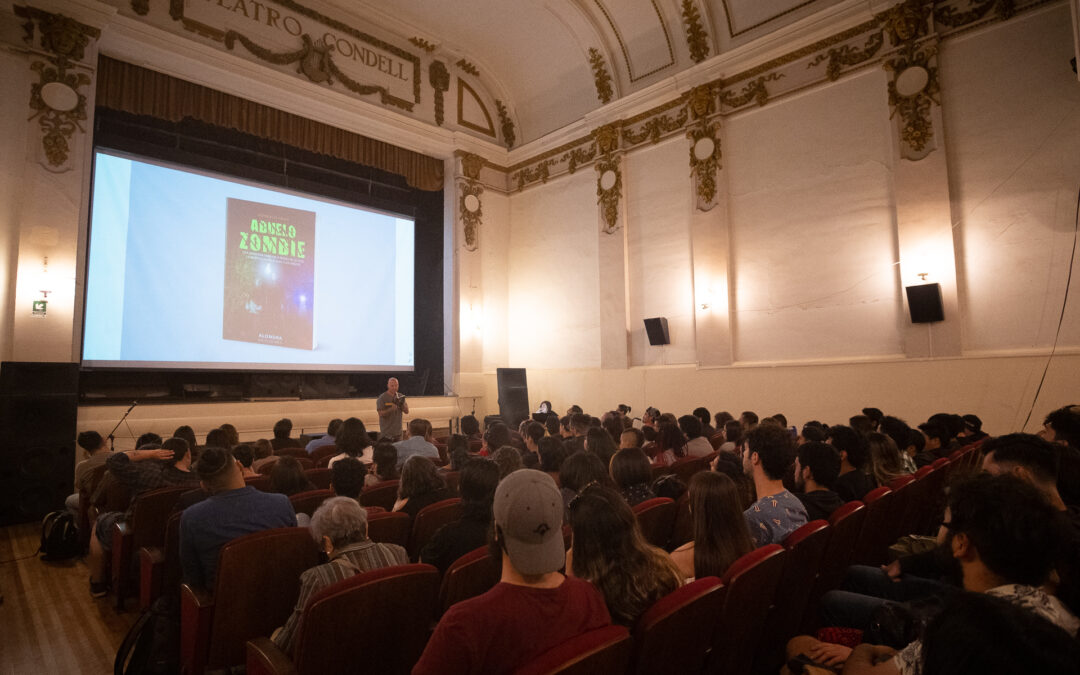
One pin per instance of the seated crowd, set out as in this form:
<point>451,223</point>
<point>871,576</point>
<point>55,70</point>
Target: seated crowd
<point>996,590</point>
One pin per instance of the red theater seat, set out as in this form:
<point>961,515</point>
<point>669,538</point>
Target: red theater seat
<point>307,502</point>
<point>258,581</point>
<point>656,518</point>
<point>159,566</point>
<point>675,634</point>
<point>374,622</point>
<point>845,524</point>
<point>319,477</point>
<point>473,574</point>
<point>382,494</point>
<point>604,650</point>
<point>428,521</point>
<point>751,583</point>
<point>389,527</point>
<point>877,530</point>
<point>145,528</point>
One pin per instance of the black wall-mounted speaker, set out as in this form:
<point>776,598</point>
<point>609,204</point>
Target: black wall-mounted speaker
<point>657,331</point>
<point>924,303</point>
<point>39,403</point>
<point>513,395</point>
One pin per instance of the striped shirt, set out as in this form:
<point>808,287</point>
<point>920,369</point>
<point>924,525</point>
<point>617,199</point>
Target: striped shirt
<point>346,562</point>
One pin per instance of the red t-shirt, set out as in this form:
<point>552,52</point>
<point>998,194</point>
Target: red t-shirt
<point>508,626</point>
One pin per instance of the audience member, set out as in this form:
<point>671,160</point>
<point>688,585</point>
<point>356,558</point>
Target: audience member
<point>670,444</point>
<point>898,430</point>
<point>282,435</point>
<point>631,438</point>
<point>507,459</point>
<point>418,442</point>
<point>188,434</point>
<point>421,485</point>
<point>854,482</point>
<point>232,510</point>
<point>534,433</point>
<point>328,439</point>
<point>632,473</point>
<point>611,552</point>
<point>722,418</point>
<point>733,433</point>
<point>599,442</point>
<point>651,418</point>
<point>1001,533</point>
<point>776,513</point>
<point>862,425</point>
<point>936,445</point>
<point>232,436</point>
<point>552,454</point>
<point>886,463</point>
<point>470,428</point>
<point>1062,427</point>
<point>552,424</point>
<point>479,478</point>
<point>218,438</point>
<point>139,471</point>
<point>264,454</point>
<point>495,436</point>
<point>612,422</point>
<point>731,465</point>
<point>579,427</point>
<point>721,535</point>
<point>817,467</point>
<point>533,608</point>
<point>149,439</point>
<point>347,478</point>
<point>385,464</point>
<point>353,441</point>
<point>812,432</point>
<point>703,416</point>
<point>244,454</point>
<point>875,415</point>
<point>748,420</point>
<point>972,431</point>
<point>96,453</point>
<point>578,471</point>
<point>697,444</point>
<point>967,637</point>
<point>288,477</point>
<point>339,528</point>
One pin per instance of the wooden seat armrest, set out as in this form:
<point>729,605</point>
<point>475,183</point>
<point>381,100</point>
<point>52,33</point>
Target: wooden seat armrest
<point>196,617</point>
<point>151,569</point>
<point>122,538</point>
<point>266,658</point>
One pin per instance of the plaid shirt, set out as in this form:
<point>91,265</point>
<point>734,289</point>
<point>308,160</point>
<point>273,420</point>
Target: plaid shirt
<point>347,561</point>
<point>147,475</point>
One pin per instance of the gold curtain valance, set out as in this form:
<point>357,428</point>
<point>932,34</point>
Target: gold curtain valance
<point>127,88</point>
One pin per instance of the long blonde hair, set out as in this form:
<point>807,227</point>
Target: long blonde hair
<point>611,552</point>
<point>885,460</point>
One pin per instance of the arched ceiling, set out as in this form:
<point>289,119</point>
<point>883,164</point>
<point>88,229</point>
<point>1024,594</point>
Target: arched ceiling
<point>549,57</point>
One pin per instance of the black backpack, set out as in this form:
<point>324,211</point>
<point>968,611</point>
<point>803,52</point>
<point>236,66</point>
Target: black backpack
<point>59,537</point>
<point>152,646</point>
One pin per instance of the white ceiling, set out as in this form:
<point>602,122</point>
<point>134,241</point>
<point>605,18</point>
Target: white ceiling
<point>535,53</point>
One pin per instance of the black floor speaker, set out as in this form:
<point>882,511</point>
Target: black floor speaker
<point>39,405</point>
<point>513,396</point>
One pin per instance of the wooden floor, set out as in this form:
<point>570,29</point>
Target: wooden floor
<point>48,621</point>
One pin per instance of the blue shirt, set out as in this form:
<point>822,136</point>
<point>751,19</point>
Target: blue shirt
<point>207,526</point>
<point>416,445</point>
<point>314,445</point>
<point>774,517</point>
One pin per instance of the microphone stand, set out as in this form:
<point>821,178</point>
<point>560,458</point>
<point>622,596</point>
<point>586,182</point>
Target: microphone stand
<point>112,439</point>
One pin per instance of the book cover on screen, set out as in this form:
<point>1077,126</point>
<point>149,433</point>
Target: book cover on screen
<point>269,275</point>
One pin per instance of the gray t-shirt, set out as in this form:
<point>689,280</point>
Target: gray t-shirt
<point>389,426</point>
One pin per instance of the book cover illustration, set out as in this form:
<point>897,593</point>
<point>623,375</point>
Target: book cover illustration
<point>269,275</point>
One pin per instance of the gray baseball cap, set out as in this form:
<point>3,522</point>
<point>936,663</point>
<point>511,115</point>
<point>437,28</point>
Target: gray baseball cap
<point>529,511</point>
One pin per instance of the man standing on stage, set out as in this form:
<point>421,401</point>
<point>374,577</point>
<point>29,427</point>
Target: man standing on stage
<point>391,405</point>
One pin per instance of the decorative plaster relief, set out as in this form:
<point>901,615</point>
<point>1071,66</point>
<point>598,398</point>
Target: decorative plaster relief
<point>697,39</point>
<point>439,77</point>
<point>57,99</point>
<point>609,193</point>
<point>913,89</point>
<point>601,77</point>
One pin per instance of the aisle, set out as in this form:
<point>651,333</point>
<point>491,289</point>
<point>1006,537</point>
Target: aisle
<point>48,621</point>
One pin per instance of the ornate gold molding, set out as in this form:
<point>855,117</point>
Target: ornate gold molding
<point>57,126</point>
<point>914,109</point>
<point>753,91</point>
<point>697,39</point>
<point>422,44</point>
<point>468,67</point>
<point>907,21</point>
<point>977,9</point>
<point>439,78</point>
<point>608,198</point>
<point>848,56</point>
<point>703,170</point>
<point>506,123</point>
<point>601,77</point>
<point>654,128</point>
<point>59,35</point>
<point>470,219</point>
<point>471,165</point>
<point>66,41</point>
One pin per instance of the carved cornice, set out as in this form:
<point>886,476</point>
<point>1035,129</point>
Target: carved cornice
<point>59,35</point>
<point>601,77</point>
<point>861,46</point>
<point>697,39</point>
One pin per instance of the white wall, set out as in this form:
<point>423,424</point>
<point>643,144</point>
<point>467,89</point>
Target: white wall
<point>1012,112</point>
<point>14,85</point>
